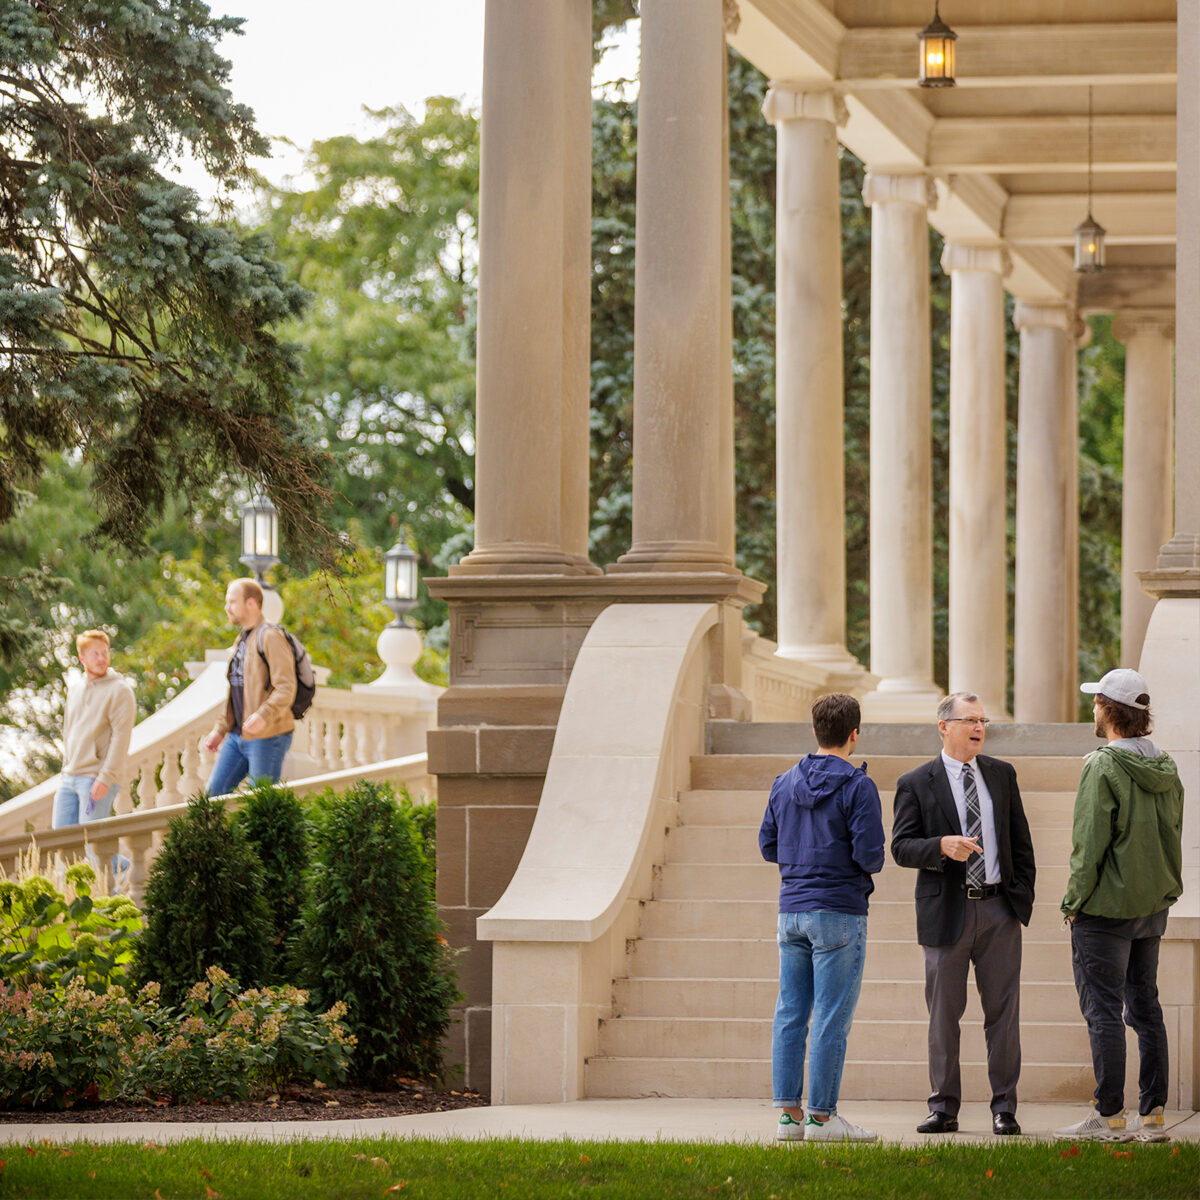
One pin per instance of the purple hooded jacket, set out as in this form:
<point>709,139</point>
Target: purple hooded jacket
<point>824,827</point>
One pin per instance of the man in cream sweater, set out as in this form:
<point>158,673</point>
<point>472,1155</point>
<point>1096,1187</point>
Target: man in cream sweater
<point>99,720</point>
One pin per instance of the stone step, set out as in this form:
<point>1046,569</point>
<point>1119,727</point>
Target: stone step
<point>1051,1082</point>
<point>1043,809</point>
<point>760,881</point>
<point>758,958</point>
<point>880,999</point>
<point>888,919</point>
<point>1005,739</point>
<point>737,845</point>
<point>746,772</point>
<point>750,1037</point>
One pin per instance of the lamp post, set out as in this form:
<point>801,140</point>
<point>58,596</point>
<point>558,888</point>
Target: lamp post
<point>936,47</point>
<point>260,548</point>
<point>399,644</point>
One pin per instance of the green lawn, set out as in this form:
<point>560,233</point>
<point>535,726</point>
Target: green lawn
<point>388,1167</point>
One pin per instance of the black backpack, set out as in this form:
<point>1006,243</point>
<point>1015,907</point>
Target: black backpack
<point>306,679</point>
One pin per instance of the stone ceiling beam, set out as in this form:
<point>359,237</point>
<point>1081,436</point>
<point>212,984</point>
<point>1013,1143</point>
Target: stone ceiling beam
<point>1130,218</point>
<point>1118,289</point>
<point>1019,55</point>
<point>1017,145</point>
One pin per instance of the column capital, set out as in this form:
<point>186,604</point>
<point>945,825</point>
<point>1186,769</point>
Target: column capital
<point>1051,314</point>
<point>731,16</point>
<point>794,102</point>
<point>906,189</point>
<point>1133,321</point>
<point>962,256</point>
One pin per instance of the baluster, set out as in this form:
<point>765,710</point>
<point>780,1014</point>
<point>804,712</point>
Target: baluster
<point>333,753</point>
<point>100,853</point>
<point>148,784</point>
<point>141,852</point>
<point>379,725</point>
<point>170,778</point>
<point>191,782</point>
<point>361,741</point>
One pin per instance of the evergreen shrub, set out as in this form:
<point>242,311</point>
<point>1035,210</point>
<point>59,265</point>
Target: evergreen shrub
<point>371,936</point>
<point>275,825</point>
<point>204,906</point>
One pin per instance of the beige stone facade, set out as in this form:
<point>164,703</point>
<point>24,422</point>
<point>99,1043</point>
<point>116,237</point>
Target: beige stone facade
<point>999,166</point>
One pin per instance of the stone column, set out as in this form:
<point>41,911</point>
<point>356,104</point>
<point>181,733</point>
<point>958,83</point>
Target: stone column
<point>1045,507</point>
<point>810,475</point>
<point>901,469</point>
<point>531,422</point>
<point>978,485</point>
<point>1147,467</point>
<point>683,391</point>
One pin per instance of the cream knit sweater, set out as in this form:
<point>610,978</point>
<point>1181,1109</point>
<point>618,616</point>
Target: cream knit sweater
<point>97,727</point>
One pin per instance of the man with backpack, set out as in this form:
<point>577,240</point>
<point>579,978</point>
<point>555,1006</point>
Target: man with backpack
<point>254,732</point>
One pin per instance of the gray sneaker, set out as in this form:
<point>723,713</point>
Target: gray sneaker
<point>1150,1127</point>
<point>837,1129</point>
<point>1095,1128</point>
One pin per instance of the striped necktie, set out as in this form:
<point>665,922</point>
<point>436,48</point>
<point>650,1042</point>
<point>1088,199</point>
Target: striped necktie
<point>976,869</point>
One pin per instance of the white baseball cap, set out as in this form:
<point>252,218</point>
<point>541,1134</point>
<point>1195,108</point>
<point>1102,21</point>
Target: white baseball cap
<point>1123,685</point>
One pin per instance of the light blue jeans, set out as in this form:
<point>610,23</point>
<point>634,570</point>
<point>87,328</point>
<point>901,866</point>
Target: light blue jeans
<point>260,758</point>
<point>821,958</point>
<point>71,807</point>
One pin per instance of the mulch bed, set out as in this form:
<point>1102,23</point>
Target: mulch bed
<point>302,1104</point>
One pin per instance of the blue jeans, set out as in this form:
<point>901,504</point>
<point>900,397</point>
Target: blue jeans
<point>1116,977</point>
<point>821,958</point>
<point>71,808</point>
<point>260,758</point>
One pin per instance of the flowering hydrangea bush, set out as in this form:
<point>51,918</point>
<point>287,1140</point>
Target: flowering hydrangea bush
<point>62,1045</point>
<point>53,939</point>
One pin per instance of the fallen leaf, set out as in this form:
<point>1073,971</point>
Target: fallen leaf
<point>332,1103</point>
<point>923,1161</point>
<point>211,1194</point>
<point>205,1173</point>
<point>1122,1154</point>
<point>359,1157</point>
<point>30,1150</point>
<point>1072,1152</point>
<point>988,1173</point>
<point>1174,1151</point>
<point>379,1162</point>
<point>67,1153</point>
<point>584,1160</point>
<point>157,1194</point>
<point>396,1187</point>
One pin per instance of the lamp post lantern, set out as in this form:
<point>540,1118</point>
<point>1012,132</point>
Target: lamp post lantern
<point>400,581</point>
<point>260,534</point>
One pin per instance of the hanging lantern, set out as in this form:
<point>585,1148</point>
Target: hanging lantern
<point>1089,233</point>
<point>936,44</point>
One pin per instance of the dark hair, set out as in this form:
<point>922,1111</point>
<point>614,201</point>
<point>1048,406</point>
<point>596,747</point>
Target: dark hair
<point>835,717</point>
<point>1125,720</point>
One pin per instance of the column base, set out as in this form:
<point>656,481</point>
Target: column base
<point>674,556</point>
<point>902,700</point>
<point>846,673</point>
<point>523,558</point>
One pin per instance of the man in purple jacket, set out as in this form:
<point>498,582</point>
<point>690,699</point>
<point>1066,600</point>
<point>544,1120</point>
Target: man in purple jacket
<point>824,827</point>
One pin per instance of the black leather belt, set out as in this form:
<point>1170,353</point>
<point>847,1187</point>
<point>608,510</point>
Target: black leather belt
<point>983,893</point>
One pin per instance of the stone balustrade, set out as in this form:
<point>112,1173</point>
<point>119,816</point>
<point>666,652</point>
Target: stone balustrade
<point>781,688</point>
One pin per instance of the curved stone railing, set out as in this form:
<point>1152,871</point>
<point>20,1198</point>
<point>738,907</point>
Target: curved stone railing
<point>632,718</point>
<point>137,835</point>
<point>783,689</point>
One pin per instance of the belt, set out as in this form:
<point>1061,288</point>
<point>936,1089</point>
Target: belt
<point>983,893</point>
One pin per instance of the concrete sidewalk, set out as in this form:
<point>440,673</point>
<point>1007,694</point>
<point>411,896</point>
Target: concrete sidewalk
<point>749,1121</point>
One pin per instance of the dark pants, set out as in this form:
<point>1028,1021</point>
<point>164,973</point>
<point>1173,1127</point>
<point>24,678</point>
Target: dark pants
<point>991,939</point>
<point>1116,975</point>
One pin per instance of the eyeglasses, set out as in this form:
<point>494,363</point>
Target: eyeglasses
<point>984,721</point>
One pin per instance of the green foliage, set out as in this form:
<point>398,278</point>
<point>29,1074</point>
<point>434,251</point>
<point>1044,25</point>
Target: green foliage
<point>273,822</point>
<point>204,905</point>
<point>50,939</point>
<point>371,935</point>
<point>386,241</point>
<point>139,334</point>
<point>61,1046</point>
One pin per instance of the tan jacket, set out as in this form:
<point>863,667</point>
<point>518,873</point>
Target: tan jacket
<point>96,729</point>
<point>270,694</point>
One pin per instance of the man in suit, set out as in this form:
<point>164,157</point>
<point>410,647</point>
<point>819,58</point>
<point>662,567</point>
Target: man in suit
<point>960,822</point>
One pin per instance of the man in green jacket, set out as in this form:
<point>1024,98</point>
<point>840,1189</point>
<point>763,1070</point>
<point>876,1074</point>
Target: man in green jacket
<point>1126,871</point>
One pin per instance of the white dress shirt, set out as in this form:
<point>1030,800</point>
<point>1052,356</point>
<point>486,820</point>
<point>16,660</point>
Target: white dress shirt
<point>987,819</point>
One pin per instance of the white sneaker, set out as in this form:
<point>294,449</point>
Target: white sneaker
<point>1151,1127</point>
<point>837,1129</point>
<point>789,1129</point>
<point>1095,1128</point>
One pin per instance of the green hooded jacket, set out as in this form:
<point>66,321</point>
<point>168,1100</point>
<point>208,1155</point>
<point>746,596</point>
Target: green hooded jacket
<point>1126,854</point>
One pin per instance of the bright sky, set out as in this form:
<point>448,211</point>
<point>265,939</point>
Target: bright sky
<point>308,67</point>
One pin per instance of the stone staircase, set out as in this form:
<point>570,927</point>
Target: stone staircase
<point>692,1016</point>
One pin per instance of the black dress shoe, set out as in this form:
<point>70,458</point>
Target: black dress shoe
<point>940,1122</point>
<point>1005,1123</point>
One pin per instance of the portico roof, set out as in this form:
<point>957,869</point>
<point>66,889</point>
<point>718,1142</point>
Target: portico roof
<point>1008,147</point>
